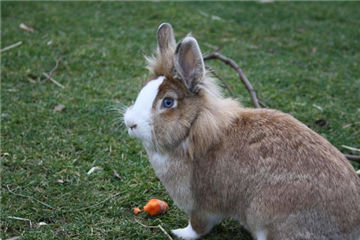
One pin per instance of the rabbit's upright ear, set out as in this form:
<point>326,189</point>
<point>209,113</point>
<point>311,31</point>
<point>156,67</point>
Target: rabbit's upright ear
<point>166,38</point>
<point>189,63</point>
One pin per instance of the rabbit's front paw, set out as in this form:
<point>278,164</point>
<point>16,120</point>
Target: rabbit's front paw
<point>187,233</point>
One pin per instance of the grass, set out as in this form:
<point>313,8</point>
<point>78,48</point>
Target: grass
<point>297,56</point>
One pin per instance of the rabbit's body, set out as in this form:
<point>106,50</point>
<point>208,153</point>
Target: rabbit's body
<point>264,168</point>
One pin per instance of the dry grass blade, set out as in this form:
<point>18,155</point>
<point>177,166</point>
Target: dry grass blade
<point>351,148</point>
<point>14,238</point>
<point>10,47</point>
<point>25,196</point>
<point>158,226</point>
<point>53,81</point>
<point>22,219</point>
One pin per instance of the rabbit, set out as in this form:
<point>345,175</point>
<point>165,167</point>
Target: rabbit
<point>216,159</point>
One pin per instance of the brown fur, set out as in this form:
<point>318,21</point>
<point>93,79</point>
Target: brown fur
<point>259,166</point>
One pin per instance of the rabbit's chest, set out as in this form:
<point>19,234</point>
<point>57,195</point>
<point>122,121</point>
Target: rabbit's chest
<point>175,175</point>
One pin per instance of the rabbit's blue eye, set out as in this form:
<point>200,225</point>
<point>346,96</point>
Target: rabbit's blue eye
<point>168,102</point>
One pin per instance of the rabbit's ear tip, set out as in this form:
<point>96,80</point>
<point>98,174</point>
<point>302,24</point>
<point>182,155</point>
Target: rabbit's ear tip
<point>188,39</point>
<point>164,24</point>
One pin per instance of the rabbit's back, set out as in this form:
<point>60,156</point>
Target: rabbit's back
<point>271,170</point>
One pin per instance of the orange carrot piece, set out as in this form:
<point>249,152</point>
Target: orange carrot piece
<point>136,210</point>
<point>155,207</point>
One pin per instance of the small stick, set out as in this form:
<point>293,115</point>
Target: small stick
<point>53,81</point>
<point>353,158</point>
<point>11,46</point>
<point>54,68</point>
<point>22,219</point>
<point>48,76</point>
<point>158,226</point>
<point>21,195</point>
<point>231,63</point>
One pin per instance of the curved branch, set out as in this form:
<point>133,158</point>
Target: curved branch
<point>231,63</point>
<point>256,102</point>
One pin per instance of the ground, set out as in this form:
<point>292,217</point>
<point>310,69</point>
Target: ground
<point>302,58</point>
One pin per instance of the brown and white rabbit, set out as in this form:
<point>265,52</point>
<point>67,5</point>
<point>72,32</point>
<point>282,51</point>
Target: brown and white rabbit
<point>216,159</point>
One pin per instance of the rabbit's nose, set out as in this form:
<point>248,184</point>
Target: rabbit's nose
<point>130,123</point>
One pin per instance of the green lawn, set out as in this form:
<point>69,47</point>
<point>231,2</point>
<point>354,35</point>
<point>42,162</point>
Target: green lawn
<point>302,58</point>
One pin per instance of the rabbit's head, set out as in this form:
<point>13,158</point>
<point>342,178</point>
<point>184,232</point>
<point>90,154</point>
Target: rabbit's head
<point>171,101</point>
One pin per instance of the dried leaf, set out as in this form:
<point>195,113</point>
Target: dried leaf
<point>41,224</point>
<point>214,17</point>
<point>26,28</point>
<point>93,169</point>
<point>59,108</point>
<point>318,107</point>
<point>301,30</point>
<point>117,175</point>
<point>60,181</point>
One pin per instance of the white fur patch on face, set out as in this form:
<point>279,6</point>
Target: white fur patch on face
<point>186,233</point>
<point>138,117</point>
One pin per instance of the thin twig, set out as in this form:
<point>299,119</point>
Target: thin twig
<point>353,158</point>
<point>48,76</point>
<point>262,104</point>
<point>231,63</point>
<point>158,226</point>
<point>222,80</point>
<point>22,219</point>
<point>220,48</point>
<point>96,204</point>
<point>11,46</point>
<point>53,81</point>
<point>54,68</point>
<point>31,197</point>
